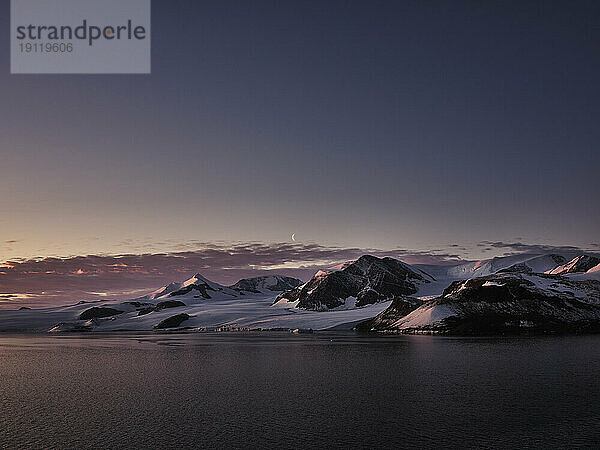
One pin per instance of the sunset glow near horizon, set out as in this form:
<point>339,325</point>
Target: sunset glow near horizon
<point>408,127</point>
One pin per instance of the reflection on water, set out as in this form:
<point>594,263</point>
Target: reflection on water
<point>272,389</point>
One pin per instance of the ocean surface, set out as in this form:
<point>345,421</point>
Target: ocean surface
<point>325,390</point>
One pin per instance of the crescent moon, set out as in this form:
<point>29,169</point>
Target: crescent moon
<point>294,237</point>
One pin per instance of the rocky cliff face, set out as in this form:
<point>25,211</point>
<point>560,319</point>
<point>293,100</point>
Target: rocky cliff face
<point>582,263</point>
<point>502,303</point>
<point>199,288</point>
<point>400,307</point>
<point>538,264</point>
<point>269,283</point>
<point>367,280</point>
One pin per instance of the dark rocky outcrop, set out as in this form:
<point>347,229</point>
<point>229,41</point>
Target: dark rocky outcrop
<point>504,303</point>
<point>99,312</point>
<point>136,304</point>
<point>517,268</point>
<point>201,287</point>
<point>172,322</point>
<point>369,280</point>
<point>159,306</point>
<point>70,327</point>
<point>400,307</point>
<point>273,283</point>
<point>146,310</point>
<point>169,304</point>
<point>526,267</point>
<point>582,263</point>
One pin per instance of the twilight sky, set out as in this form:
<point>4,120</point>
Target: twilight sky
<point>418,125</point>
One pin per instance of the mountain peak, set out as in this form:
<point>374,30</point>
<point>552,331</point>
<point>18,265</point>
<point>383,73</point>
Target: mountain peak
<point>499,303</point>
<point>266,283</point>
<point>367,280</point>
<point>581,263</point>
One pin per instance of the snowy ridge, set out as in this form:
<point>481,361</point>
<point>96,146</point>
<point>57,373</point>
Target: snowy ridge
<point>365,281</point>
<point>594,269</point>
<point>201,303</point>
<point>381,293</point>
<point>581,263</point>
<point>244,312</point>
<point>527,262</point>
<point>507,301</point>
<point>197,288</point>
<point>265,284</point>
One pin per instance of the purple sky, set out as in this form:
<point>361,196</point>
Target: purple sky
<point>421,125</point>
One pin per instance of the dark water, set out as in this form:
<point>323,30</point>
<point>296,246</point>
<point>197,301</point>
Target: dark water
<point>308,391</point>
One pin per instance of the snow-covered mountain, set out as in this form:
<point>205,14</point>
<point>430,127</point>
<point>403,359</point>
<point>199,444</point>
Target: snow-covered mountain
<point>537,264</point>
<point>199,288</point>
<point>183,306</point>
<point>384,293</point>
<point>267,283</point>
<point>581,263</point>
<point>365,281</point>
<point>524,262</point>
<point>194,289</point>
<point>594,270</point>
<point>400,307</point>
<point>503,302</point>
